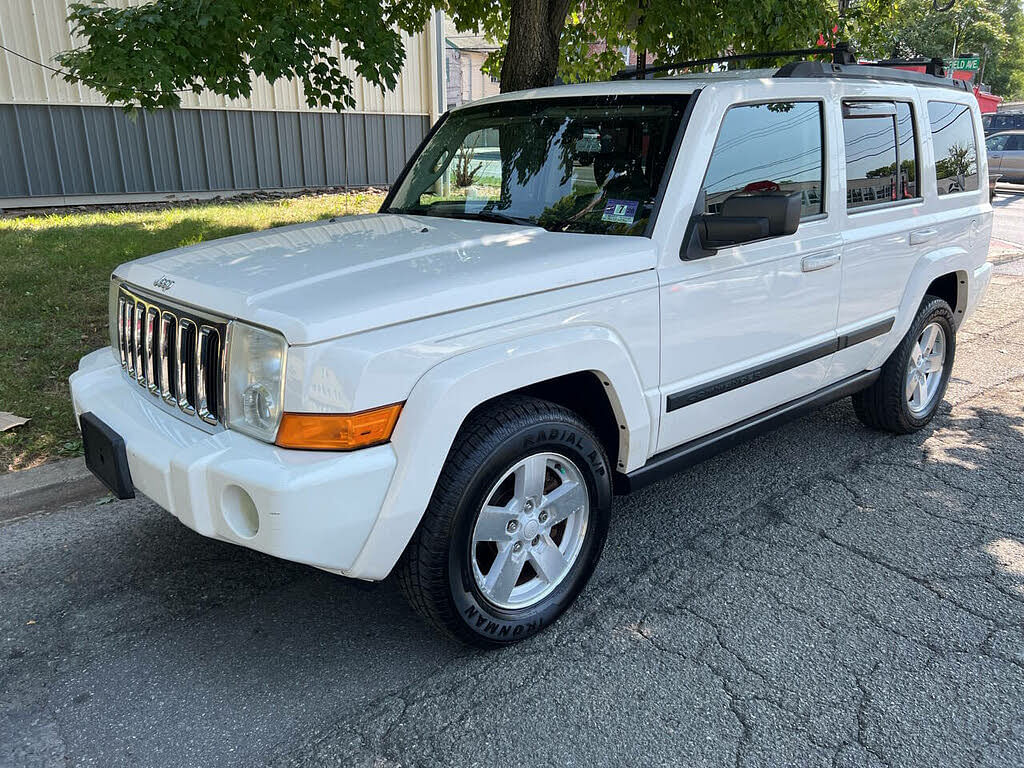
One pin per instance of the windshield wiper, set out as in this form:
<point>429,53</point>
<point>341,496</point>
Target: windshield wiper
<point>501,218</point>
<point>498,218</point>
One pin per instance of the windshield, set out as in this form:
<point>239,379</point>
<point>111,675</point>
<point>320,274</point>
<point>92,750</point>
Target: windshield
<point>569,165</point>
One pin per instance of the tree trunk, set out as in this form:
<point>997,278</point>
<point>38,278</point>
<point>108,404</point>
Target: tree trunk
<point>531,56</point>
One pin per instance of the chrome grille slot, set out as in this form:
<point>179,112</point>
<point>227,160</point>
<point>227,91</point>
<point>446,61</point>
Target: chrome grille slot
<point>186,381</point>
<point>165,353</point>
<point>122,309</point>
<point>206,403</point>
<point>152,313</point>
<point>174,353</point>
<point>140,311</point>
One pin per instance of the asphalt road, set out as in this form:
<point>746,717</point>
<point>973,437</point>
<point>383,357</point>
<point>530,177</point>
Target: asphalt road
<point>1009,218</point>
<point>823,595</point>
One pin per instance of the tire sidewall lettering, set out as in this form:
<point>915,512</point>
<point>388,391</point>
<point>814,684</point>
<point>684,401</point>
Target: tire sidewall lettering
<point>502,625</point>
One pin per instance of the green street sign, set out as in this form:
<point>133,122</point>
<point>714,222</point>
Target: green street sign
<point>967,63</point>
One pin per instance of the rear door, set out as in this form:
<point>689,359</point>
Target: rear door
<point>752,326</point>
<point>884,234</point>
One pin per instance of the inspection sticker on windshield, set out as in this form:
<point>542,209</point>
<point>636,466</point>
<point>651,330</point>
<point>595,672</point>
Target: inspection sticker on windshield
<point>620,211</point>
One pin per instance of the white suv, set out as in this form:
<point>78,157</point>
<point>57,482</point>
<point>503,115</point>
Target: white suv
<point>568,293</point>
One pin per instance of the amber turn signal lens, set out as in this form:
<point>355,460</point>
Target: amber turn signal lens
<point>337,431</point>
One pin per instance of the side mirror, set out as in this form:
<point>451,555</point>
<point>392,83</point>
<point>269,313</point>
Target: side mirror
<point>746,217</point>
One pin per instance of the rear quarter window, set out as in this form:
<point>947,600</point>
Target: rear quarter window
<point>956,152</point>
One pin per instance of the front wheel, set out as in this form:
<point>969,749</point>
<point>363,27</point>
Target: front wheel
<point>516,524</point>
<point>913,380</point>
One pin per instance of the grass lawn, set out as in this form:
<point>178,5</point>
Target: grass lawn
<point>54,274</point>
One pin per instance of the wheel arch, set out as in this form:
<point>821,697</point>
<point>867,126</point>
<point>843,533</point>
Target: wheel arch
<point>944,270</point>
<point>952,288</point>
<point>550,365</point>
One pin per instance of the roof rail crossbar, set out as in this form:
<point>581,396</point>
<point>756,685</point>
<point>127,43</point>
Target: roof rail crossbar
<point>840,53</point>
<point>868,72</point>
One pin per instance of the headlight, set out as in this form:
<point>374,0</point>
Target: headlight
<point>112,319</point>
<point>255,380</point>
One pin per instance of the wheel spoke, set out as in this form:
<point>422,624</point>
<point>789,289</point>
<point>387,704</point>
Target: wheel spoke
<point>934,363</point>
<point>915,353</point>
<point>931,333</point>
<point>530,478</point>
<point>927,386</point>
<point>547,560</point>
<point>563,501</point>
<point>913,384</point>
<point>492,524</point>
<point>504,574</point>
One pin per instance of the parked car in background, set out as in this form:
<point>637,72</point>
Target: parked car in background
<point>994,122</point>
<point>1006,155</point>
<point>646,273</point>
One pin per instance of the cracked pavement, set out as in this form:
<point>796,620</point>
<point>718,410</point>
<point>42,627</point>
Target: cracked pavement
<point>823,595</point>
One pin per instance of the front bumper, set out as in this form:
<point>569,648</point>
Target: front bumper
<point>311,507</point>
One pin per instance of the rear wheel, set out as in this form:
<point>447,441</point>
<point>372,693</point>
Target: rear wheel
<point>516,524</point>
<point>913,380</point>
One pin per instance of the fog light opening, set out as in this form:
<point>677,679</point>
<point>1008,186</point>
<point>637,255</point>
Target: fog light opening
<point>240,513</point>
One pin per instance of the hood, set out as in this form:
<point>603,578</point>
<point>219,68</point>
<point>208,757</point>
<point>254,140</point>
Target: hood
<point>326,279</point>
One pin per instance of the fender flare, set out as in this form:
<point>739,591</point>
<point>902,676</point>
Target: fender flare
<point>445,395</point>
<point>932,265</point>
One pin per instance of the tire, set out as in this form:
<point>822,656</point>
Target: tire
<point>894,403</point>
<point>442,571</point>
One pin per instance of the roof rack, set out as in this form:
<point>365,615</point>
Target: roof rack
<point>844,64</point>
<point>840,55</point>
<point>869,71</point>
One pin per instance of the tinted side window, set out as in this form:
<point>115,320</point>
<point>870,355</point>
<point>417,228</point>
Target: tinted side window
<point>997,143</point>
<point>881,152</point>
<point>870,138</point>
<point>768,148</point>
<point>1002,122</point>
<point>1015,143</point>
<point>906,135</point>
<point>956,156</point>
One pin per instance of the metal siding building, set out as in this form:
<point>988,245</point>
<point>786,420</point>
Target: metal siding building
<point>61,143</point>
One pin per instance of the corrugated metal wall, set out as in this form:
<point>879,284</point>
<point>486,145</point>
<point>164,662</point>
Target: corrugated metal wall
<point>72,150</point>
<point>58,138</point>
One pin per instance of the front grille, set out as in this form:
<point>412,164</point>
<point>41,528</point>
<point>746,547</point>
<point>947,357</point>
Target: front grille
<point>174,353</point>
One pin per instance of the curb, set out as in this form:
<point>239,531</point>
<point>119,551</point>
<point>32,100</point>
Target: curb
<point>44,488</point>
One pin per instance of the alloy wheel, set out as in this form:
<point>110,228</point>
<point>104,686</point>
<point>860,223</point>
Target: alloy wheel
<point>529,531</point>
<point>925,368</point>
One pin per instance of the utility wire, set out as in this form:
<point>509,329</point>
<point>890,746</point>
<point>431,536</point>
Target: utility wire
<point>91,83</point>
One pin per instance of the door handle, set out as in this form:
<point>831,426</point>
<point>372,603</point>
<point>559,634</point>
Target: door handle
<point>819,261</point>
<point>919,236</point>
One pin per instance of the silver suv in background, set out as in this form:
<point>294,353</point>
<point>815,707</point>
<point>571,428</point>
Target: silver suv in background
<point>1006,156</point>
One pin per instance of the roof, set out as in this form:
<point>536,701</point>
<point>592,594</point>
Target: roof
<point>869,77</point>
<point>467,42</point>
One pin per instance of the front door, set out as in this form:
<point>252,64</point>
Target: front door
<point>996,146</point>
<point>753,326</point>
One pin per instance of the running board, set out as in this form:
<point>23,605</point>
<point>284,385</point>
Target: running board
<point>669,462</point>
